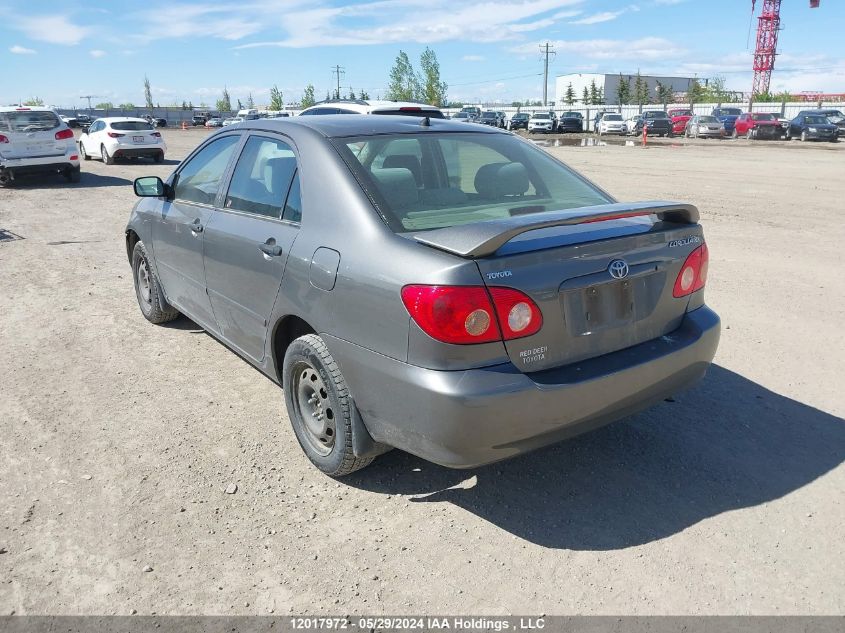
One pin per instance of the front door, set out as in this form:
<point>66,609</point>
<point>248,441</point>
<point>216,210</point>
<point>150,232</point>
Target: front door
<point>248,240</point>
<point>178,236</point>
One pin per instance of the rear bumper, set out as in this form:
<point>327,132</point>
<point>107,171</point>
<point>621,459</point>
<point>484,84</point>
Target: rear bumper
<point>463,419</point>
<point>41,164</point>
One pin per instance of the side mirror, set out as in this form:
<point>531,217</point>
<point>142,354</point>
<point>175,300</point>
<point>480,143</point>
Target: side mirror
<point>149,187</point>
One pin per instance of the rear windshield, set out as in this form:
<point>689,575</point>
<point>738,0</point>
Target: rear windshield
<point>132,126</point>
<point>420,182</point>
<point>28,121</point>
<point>432,114</point>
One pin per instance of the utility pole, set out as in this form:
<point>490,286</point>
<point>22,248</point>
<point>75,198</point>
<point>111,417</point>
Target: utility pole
<point>338,70</point>
<point>89,97</point>
<point>546,49</point>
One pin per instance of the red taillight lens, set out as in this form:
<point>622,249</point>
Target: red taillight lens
<point>465,314</point>
<point>4,139</point>
<point>115,134</point>
<point>452,314</point>
<point>693,273</point>
<point>63,134</point>
<point>157,134</point>
<point>518,315</point>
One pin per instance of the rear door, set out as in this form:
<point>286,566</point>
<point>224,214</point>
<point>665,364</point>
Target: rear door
<point>32,133</point>
<point>179,233</point>
<point>248,240</point>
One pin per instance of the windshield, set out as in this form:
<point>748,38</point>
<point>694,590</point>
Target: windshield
<point>541,116</point>
<point>612,117</point>
<point>659,114</point>
<point>519,116</point>
<point>28,121</point>
<point>681,113</point>
<point>730,111</point>
<point>708,119</point>
<point>817,120</point>
<point>428,181</point>
<point>763,117</point>
<point>571,115</point>
<point>132,126</point>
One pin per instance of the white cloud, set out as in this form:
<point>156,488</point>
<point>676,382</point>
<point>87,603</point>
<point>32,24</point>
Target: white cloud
<point>21,50</point>
<point>55,29</point>
<point>472,58</point>
<point>97,53</point>
<point>596,18</point>
<point>423,21</point>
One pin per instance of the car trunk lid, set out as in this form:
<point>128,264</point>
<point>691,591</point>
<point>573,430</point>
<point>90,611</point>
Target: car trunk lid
<point>602,284</point>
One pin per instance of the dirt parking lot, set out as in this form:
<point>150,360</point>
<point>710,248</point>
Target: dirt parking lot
<point>118,438</point>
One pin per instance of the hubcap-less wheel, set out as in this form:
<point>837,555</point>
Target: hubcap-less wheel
<point>144,281</point>
<point>104,154</point>
<point>82,152</point>
<point>314,408</point>
<point>803,136</point>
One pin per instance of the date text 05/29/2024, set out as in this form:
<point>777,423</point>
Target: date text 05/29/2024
<point>406,623</point>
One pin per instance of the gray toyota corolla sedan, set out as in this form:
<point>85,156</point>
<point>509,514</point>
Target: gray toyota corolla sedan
<point>456,293</point>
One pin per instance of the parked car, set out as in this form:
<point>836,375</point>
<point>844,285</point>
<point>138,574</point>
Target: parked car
<point>489,118</point>
<point>70,121</point>
<point>230,121</point>
<point>83,121</point>
<point>156,121</point>
<point>34,140</point>
<point>541,122</point>
<point>111,138</point>
<point>385,304</point>
<point>704,126</point>
<point>784,124</point>
<point>570,122</point>
<point>834,116</point>
<point>518,121</point>
<point>474,110</point>
<point>679,117</point>
<point>728,117</point>
<point>657,122</point>
<point>503,119</point>
<point>198,119</point>
<point>215,121</point>
<point>347,106</point>
<point>812,127</point>
<point>464,117</point>
<point>632,124</point>
<point>757,125</point>
<point>611,123</point>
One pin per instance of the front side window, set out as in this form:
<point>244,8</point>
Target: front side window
<point>199,179</point>
<point>262,177</point>
<point>463,178</point>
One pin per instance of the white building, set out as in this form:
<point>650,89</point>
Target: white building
<point>609,85</point>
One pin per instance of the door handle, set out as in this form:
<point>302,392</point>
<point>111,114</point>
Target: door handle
<point>270,248</point>
<point>196,227</point>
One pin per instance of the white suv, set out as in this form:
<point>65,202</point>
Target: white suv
<point>34,140</point>
<point>110,138</point>
<point>541,122</point>
<point>611,123</point>
<point>402,108</point>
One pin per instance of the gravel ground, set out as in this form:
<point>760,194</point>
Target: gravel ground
<point>118,439</point>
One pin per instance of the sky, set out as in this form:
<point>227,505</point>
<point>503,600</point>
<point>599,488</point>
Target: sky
<point>488,51</point>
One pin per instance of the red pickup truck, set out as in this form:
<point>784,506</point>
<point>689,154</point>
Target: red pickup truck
<point>679,120</point>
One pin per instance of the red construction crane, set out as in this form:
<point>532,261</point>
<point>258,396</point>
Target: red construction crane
<point>768,25</point>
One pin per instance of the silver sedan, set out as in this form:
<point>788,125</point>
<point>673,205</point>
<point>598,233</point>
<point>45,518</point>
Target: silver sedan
<point>704,126</point>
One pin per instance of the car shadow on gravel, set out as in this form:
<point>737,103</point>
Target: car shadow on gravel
<point>87,180</point>
<point>729,443</point>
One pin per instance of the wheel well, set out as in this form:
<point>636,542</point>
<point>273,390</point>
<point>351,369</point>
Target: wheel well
<point>131,239</point>
<point>287,330</point>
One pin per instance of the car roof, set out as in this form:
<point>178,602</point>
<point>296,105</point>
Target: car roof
<point>343,125</point>
<point>118,119</point>
<point>376,104</point>
<point>27,108</point>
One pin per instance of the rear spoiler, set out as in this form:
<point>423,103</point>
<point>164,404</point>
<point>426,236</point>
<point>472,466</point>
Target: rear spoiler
<point>482,239</point>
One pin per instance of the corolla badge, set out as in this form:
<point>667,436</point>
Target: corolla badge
<point>618,269</point>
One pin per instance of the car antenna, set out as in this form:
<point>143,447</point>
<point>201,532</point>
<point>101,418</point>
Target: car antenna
<point>426,122</point>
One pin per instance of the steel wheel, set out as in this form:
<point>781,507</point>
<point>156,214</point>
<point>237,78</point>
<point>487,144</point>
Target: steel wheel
<point>143,275</point>
<point>314,408</point>
<point>804,136</point>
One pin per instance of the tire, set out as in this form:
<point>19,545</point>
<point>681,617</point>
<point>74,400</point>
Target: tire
<point>72,174</point>
<point>734,133</point>
<point>82,153</point>
<point>104,154</point>
<point>148,290</point>
<point>803,136</point>
<point>749,134</point>
<point>159,158</point>
<point>314,387</point>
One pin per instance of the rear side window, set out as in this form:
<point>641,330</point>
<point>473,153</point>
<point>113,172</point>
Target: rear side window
<point>199,179</point>
<point>28,121</point>
<point>131,126</point>
<point>262,177</point>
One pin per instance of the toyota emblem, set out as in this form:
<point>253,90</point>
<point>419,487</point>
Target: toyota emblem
<point>618,269</point>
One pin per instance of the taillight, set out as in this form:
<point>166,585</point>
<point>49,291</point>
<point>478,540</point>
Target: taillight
<point>466,314</point>
<point>156,134</point>
<point>115,134</point>
<point>4,139</point>
<point>63,134</point>
<point>518,315</point>
<point>452,314</point>
<point>693,273</point>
